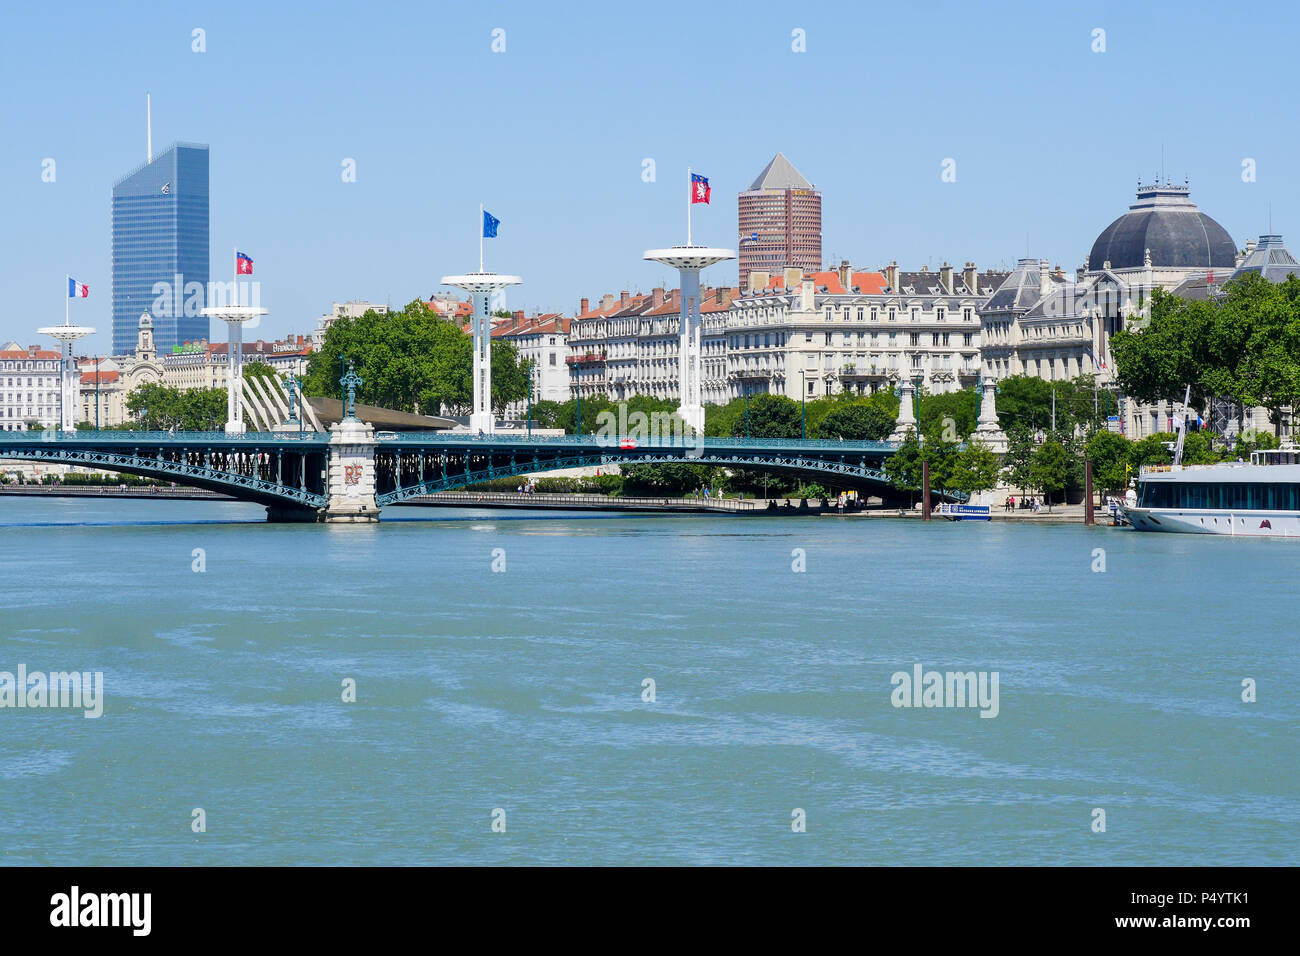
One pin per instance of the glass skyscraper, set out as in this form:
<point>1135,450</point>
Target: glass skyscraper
<point>160,248</point>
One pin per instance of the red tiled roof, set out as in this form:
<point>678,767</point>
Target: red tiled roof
<point>535,325</point>
<point>868,283</point>
<point>105,378</point>
<point>12,355</point>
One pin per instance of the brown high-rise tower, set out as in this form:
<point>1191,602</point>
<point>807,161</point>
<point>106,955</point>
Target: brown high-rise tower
<point>779,222</point>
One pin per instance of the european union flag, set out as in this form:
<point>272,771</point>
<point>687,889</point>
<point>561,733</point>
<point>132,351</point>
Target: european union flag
<point>490,223</point>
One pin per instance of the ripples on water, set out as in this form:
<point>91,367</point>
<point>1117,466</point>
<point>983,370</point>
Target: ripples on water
<point>523,690</point>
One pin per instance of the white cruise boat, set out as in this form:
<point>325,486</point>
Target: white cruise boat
<point>1259,499</point>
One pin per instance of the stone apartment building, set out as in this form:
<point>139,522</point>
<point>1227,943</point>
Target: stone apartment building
<point>822,333</point>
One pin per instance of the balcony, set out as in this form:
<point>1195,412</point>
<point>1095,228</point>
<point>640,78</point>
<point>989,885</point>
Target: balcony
<point>751,374</point>
<point>587,358</point>
<point>854,371</point>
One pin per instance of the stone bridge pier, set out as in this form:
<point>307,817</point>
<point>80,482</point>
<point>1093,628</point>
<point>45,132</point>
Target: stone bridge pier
<point>350,474</point>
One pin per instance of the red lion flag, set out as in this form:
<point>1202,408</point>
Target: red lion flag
<point>700,191</point>
<point>243,264</point>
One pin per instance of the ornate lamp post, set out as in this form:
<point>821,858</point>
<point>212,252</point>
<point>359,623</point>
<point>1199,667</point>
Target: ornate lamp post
<point>351,381</point>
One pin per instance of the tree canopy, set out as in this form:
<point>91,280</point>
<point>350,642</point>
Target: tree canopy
<point>1244,346</point>
<point>412,357</point>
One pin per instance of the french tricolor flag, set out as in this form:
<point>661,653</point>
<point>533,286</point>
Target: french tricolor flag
<point>77,290</point>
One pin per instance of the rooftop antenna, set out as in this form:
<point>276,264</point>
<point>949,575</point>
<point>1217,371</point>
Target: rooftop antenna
<point>148,110</point>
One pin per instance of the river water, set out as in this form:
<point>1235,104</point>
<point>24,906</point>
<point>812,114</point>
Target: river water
<point>519,696</point>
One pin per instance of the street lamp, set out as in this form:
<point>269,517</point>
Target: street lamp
<point>747,411</point>
<point>803,405</point>
<point>530,402</point>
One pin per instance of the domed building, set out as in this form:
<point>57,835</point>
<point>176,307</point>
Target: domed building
<point>1163,236</point>
<point>1039,323</point>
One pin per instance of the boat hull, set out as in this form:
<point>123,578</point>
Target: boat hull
<point>1247,524</point>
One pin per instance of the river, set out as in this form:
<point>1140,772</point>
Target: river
<point>505,716</point>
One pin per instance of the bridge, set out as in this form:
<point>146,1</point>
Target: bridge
<point>351,472</point>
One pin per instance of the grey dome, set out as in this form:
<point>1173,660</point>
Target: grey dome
<point>1165,221</point>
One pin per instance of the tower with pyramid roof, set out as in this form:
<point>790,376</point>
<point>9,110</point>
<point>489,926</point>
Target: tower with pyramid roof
<point>779,222</point>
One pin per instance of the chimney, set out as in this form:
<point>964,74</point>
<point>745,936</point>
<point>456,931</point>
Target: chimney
<point>723,297</point>
<point>623,298</point>
<point>517,315</point>
<point>1043,282</point>
<point>891,276</point>
<point>807,296</point>
<point>657,296</point>
<point>793,277</point>
<point>971,277</point>
<point>583,306</point>
<point>758,281</point>
<point>945,278</point>
<point>844,274</point>
<point>606,301</point>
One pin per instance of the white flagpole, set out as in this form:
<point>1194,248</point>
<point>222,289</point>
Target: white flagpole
<point>690,195</point>
<point>67,284</point>
<point>480,237</point>
<point>235,293</point>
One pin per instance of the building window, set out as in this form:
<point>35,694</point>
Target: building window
<point>938,315</point>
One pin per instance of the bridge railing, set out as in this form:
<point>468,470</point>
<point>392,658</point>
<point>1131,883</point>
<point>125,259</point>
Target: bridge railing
<point>116,436</point>
<point>628,443</point>
<point>429,438</point>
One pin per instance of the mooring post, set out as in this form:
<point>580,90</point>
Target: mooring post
<point>1088,517</point>
<point>925,490</point>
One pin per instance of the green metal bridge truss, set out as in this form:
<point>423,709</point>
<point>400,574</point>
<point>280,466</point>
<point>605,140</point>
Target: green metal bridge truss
<point>289,469</point>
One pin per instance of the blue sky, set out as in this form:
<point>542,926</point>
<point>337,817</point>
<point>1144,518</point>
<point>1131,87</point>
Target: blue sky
<point>1049,138</point>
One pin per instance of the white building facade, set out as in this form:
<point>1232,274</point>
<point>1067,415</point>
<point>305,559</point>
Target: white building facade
<point>29,387</point>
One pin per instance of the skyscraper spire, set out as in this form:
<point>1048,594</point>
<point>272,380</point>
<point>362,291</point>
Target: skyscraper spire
<point>148,109</point>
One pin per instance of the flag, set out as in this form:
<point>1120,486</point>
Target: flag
<point>243,264</point>
<point>699,188</point>
<point>166,188</point>
<point>77,290</point>
<point>490,223</point>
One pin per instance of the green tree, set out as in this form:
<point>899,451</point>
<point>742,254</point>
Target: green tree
<point>157,407</point>
<point>770,416</point>
<point>976,468</point>
<point>903,467</point>
<point>949,415</point>
<point>1049,469</point>
<point>411,357</point>
<point>1020,456</point>
<point>261,370</point>
<point>671,479</point>
<point>855,421</point>
<point>1111,457</point>
<point>1152,450</point>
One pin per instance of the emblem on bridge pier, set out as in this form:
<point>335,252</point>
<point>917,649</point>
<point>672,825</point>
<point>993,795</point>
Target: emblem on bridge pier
<point>351,473</point>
